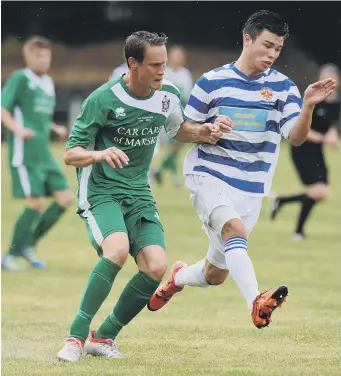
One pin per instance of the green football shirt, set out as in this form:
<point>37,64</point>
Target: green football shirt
<point>113,116</point>
<point>31,100</point>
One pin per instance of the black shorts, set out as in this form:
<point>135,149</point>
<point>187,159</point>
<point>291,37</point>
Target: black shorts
<point>309,162</point>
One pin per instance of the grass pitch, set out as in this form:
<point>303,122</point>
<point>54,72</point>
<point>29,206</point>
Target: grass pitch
<point>202,331</point>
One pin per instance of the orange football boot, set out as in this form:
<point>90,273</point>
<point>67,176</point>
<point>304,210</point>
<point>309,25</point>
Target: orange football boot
<point>164,292</point>
<point>265,303</point>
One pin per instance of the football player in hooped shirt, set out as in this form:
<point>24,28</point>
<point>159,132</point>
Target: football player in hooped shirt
<point>227,181</point>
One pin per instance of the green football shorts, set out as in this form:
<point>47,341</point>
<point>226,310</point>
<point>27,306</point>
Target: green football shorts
<point>139,220</point>
<point>37,180</point>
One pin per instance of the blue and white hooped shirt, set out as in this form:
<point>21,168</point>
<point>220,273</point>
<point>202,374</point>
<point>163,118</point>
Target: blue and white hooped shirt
<point>263,109</point>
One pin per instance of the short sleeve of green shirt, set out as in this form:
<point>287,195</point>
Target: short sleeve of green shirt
<point>174,121</point>
<point>12,90</point>
<point>176,117</point>
<point>91,119</point>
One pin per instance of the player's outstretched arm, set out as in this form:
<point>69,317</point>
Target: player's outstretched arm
<point>315,93</point>
<point>80,157</point>
<point>203,133</point>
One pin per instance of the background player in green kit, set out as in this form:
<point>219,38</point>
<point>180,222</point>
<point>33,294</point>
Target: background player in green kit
<point>28,101</point>
<point>112,144</point>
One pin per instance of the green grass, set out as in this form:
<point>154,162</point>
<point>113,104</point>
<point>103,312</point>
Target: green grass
<point>202,331</point>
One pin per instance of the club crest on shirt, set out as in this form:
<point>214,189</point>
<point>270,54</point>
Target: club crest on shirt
<point>165,103</point>
<point>120,112</point>
<point>266,93</point>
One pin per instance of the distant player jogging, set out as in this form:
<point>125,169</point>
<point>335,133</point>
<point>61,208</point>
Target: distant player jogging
<point>227,181</point>
<point>27,107</point>
<point>309,159</point>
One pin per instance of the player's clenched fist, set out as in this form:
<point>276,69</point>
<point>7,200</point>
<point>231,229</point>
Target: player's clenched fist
<point>224,123</point>
<point>210,133</point>
<point>113,156</point>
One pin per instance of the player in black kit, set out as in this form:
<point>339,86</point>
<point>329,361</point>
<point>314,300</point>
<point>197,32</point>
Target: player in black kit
<point>309,159</point>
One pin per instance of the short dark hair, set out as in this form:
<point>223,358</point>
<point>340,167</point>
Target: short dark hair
<point>37,41</point>
<point>266,20</point>
<point>136,43</point>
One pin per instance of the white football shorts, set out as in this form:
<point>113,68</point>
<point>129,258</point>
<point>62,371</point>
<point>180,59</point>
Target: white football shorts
<point>209,193</point>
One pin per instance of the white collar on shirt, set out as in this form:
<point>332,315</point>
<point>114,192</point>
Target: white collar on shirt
<point>44,82</point>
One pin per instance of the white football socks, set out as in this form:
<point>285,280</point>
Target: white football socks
<point>192,275</point>
<point>240,268</point>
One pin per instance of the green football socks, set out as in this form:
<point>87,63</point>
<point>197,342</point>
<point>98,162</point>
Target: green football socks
<point>23,230</point>
<point>50,216</point>
<point>133,299</point>
<point>97,290</point>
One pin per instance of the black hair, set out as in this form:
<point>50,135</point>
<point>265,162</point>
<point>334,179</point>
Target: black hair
<point>136,43</point>
<point>266,20</point>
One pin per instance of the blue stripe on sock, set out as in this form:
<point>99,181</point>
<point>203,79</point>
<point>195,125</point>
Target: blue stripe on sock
<point>244,246</point>
<point>236,242</point>
<point>237,247</point>
<point>236,238</point>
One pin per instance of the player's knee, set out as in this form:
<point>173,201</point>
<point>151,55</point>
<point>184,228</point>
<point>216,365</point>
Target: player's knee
<point>215,276</point>
<point>233,227</point>
<point>323,193</point>
<point>318,192</point>
<point>35,203</point>
<point>152,260</point>
<point>64,198</point>
<point>117,254</point>
<point>116,248</point>
<point>156,269</point>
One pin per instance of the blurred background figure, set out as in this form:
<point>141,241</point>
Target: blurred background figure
<point>309,159</point>
<point>177,73</point>
<point>28,101</point>
<point>120,70</point>
<point>182,78</point>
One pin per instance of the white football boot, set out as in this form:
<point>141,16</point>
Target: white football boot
<point>105,347</point>
<point>72,350</point>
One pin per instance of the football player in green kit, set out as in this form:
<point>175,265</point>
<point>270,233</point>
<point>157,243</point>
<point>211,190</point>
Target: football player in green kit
<point>112,144</point>
<point>28,101</point>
